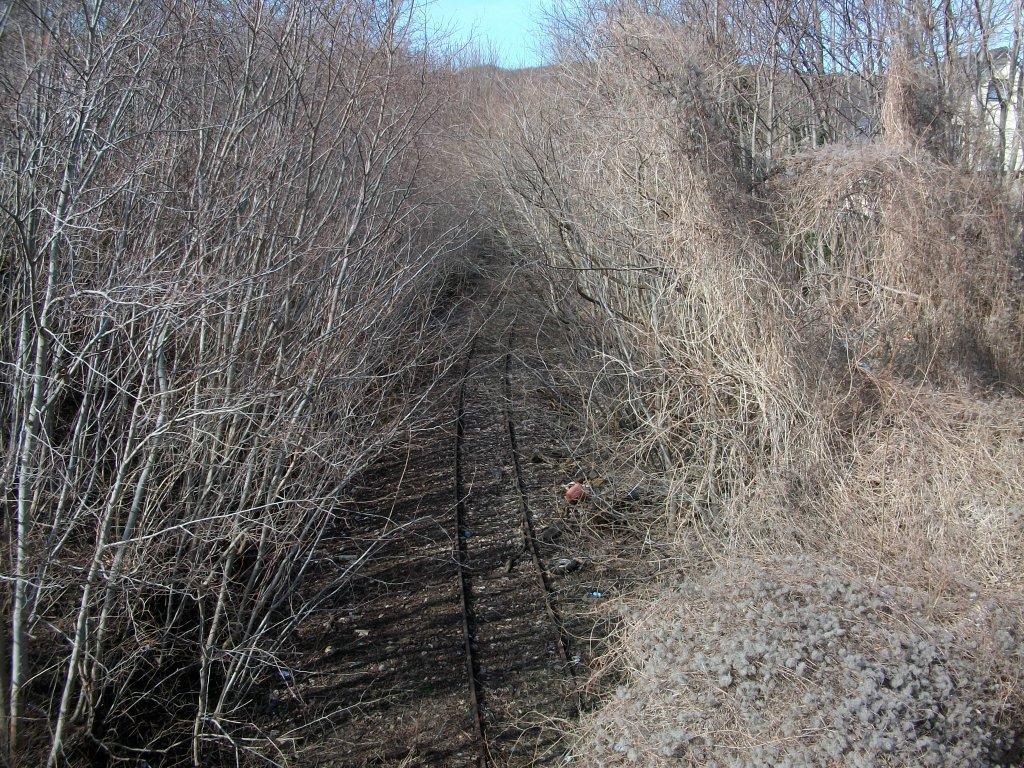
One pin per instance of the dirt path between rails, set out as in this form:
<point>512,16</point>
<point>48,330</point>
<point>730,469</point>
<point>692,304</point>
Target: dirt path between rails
<point>458,623</point>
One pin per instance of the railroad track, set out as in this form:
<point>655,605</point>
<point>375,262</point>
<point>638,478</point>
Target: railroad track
<point>446,646</point>
<point>465,587</point>
<point>510,622</point>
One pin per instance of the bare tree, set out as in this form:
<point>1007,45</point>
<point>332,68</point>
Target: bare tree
<point>215,252</point>
<point>808,72</point>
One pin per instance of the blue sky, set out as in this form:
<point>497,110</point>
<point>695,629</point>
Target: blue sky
<point>507,25</point>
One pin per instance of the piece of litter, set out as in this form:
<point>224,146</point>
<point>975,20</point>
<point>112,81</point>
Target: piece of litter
<point>362,633</point>
<point>565,565</point>
<point>575,493</point>
<point>595,593</point>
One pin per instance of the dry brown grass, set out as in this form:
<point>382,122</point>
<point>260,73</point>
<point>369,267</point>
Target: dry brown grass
<point>932,491</point>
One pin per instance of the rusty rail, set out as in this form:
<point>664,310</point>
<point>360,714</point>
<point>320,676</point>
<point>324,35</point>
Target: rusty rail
<point>529,537</point>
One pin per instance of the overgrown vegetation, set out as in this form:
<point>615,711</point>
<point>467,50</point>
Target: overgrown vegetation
<point>784,238</point>
<point>789,252</point>
<point>217,266</point>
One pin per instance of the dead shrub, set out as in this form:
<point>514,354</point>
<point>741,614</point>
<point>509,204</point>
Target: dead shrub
<point>904,264</point>
<point>624,181</point>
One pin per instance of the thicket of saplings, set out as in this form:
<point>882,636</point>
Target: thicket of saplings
<point>789,250</point>
<point>217,264</point>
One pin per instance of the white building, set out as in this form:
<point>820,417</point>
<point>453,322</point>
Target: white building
<point>1000,87</point>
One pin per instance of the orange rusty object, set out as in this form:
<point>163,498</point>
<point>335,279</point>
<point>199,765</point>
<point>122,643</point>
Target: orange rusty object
<point>575,493</point>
